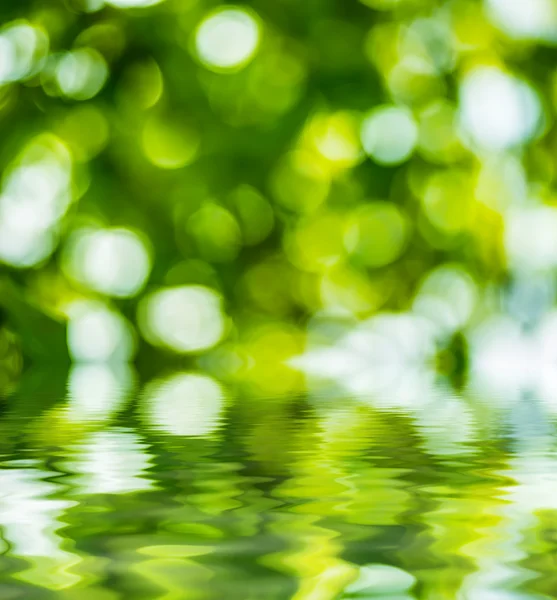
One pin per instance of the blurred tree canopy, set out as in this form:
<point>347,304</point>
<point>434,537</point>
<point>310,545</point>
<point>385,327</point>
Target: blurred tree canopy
<point>195,183</point>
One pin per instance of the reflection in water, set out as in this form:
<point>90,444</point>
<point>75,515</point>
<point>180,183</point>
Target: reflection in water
<point>110,462</point>
<point>97,391</point>
<point>176,493</point>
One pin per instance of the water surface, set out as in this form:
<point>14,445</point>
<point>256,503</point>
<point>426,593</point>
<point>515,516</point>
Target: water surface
<point>283,498</point>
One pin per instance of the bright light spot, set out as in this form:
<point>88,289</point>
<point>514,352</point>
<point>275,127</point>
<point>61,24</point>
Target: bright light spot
<point>501,359</point>
<point>97,391</point>
<point>336,148</point>
<point>30,515</point>
<point>114,262</point>
<point>498,111</point>
<point>392,342</point>
<point>24,248</point>
<point>185,404</point>
<point>446,426</point>
<point>534,485</point>
<point>387,358</point>
<point>227,39</point>
<point>23,51</point>
<point>508,361</point>
<point>35,195</point>
<point>531,20</point>
<point>97,334</point>
<point>81,74</point>
<point>447,297</point>
<point>186,319</point>
<point>531,238</point>
<point>546,344</point>
<point>530,296</point>
<point>389,134</point>
<point>111,462</point>
<point>169,145</point>
<point>381,580</point>
<point>6,59</point>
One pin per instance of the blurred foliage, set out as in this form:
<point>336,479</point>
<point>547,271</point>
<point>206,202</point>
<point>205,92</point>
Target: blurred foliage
<point>189,183</point>
<point>269,274</point>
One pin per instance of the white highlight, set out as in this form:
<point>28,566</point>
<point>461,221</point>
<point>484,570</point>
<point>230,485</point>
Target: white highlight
<point>186,404</point>
<point>81,74</point>
<point>227,39</point>
<point>531,238</point>
<point>114,262</point>
<point>35,195</point>
<point>447,298</point>
<point>387,358</point>
<point>389,134</point>
<point>381,580</point>
<point>96,392</point>
<point>98,334</point>
<point>111,462</point>
<point>530,20</point>
<point>23,51</point>
<point>497,110</point>
<point>186,318</point>
<point>30,517</point>
<point>507,362</point>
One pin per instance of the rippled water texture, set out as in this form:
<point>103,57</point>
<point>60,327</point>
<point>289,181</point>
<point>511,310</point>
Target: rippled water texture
<point>286,498</point>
